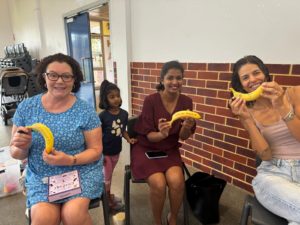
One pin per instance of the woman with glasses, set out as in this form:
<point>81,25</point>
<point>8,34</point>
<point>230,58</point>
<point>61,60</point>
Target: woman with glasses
<point>60,184</point>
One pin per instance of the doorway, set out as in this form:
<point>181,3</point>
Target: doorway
<point>88,41</point>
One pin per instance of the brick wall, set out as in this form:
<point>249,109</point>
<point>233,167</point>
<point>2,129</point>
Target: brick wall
<point>220,145</point>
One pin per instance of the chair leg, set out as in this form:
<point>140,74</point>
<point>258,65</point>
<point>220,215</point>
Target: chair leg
<point>127,178</point>
<point>185,210</point>
<point>29,216</point>
<point>105,206</point>
<point>246,212</point>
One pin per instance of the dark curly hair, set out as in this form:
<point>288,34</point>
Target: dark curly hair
<point>164,70</point>
<point>105,88</point>
<point>61,58</point>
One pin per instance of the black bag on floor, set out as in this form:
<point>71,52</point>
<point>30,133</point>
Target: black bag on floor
<point>203,194</point>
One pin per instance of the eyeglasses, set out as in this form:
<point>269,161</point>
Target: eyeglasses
<point>54,76</point>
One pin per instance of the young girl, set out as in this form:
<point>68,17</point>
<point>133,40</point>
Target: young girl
<point>114,122</point>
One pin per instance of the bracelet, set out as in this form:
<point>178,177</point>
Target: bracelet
<point>74,160</point>
<point>289,116</point>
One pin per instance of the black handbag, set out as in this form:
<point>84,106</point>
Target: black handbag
<point>203,194</point>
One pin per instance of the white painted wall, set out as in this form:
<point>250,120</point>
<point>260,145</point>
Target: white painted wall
<point>6,34</point>
<point>215,30</point>
<point>40,24</point>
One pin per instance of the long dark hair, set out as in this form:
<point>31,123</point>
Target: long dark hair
<point>105,88</point>
<point>164,70</point>
<point>249,59</point>
<point>61,58</point>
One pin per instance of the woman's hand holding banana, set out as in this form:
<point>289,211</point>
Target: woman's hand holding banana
<point>239,108</point>
<point>164,127</point>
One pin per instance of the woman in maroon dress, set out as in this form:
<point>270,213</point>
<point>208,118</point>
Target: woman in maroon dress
<point>156,134</point>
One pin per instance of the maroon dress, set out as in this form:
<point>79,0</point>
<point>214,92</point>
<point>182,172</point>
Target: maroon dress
<point>153,110</point>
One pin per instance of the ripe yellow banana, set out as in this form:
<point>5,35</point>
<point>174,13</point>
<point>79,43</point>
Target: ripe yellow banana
<point>46,133</point>
<point>249,96</point>
<point>184,114</point>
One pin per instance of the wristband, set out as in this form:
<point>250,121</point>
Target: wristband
<point>289,116</point>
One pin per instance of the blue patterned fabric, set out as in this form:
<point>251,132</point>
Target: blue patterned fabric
<point>67,128</point>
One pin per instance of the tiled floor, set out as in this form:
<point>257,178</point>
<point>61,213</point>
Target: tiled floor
<point>12,208</point>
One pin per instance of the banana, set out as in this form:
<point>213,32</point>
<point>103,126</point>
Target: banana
<point>46,133</point>
<point>184,114</point>
<point>247,97</point>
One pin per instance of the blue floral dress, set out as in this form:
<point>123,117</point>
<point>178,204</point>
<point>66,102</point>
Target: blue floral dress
<point>67,128</point>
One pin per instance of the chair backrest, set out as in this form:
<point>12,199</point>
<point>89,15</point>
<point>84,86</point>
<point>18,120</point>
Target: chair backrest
<point>130,126</point>
<point>257,161</point>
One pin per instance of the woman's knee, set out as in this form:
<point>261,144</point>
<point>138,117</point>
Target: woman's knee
<point>75,211</point>
<point>157,184</point>
<point>45,213</point>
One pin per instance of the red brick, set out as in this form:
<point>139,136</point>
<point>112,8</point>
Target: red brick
<point>296,69</point>
<point>137,77</point>
<point>155,72</point>
<point>190,74</point>
<point>225,76</point>
<point>144,84</point>
<point>235,157</point>
<point>196,83</point>
<point>234,123</point>
<point>149,65</point>
<point>224,145</point>
<point>201,167</point>
<point>187,147</point>
<point>245,152</point>
<point>249,179</point>
<point>213,134</point>
<point>150,79</point>
<point>218,67</point>
<point>226,129</point>
<point>206,92</point>
<point>223,160</point>
<point>137,64</point>
<point>215,119</point>
<point>134,71</point>
<point>208,75</point>
<point>279,68</point>
<point>197,99</point>
<point>206,124</point>
<point>245,169</point>
<point>234,173</point>
<point>137,89</point>
<point>193,156</point>
<point>196,66</point>
<point>224,94</point>
<point>205,108</point>
<point>196,144</point>
<point>243,134</point>
<point>202,153</point>
<point>144,71</point>
<point>189,90</point>
<point>236,141</point>
<point>243,185</point>
<point>159,65</point>
<point>216,102</point>
<point>288,80</point>
<point>251,162</point>
<point>203,139</point>
<point>224,112</point>
<point>214,150</point>
<point>212,164</point>
<point>217,85</point>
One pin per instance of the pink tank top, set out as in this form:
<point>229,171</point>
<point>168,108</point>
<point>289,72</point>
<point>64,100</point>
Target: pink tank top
<point>283,144</point>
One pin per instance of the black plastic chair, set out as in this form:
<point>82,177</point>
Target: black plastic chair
<point>94,203</point>
<point>259,215</point>
<point>128,176</point>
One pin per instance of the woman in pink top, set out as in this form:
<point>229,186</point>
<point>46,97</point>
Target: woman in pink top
<point>273,124</point>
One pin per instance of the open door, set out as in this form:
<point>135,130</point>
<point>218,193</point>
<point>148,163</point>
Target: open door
<point>79,47</point>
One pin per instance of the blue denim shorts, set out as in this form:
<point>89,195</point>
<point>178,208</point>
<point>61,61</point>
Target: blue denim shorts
<point>277,187</point>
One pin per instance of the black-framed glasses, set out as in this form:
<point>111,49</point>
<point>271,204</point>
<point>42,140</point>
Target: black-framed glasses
<point>54,76</point>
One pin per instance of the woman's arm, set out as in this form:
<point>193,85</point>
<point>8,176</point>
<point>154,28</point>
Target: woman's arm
<point>258,142</point>
<point>163,127</point>
<point>20,142</point>
<point>94,147</point>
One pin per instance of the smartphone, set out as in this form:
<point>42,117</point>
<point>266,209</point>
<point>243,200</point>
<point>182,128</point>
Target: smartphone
<point>156,154</point>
